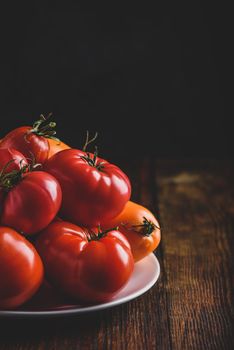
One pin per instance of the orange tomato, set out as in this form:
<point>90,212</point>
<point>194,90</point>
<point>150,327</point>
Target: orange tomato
<point>56,146</point>
<point>140,227</point>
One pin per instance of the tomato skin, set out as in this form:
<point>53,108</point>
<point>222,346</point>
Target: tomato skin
<point>89,195</point>
<point>21,269</point>
<point>9,154</point>
<point>33,203</point>
<point>56,146</point>
<point>89,271</point>
<point>30,145</point>
<point>130,222</point>
<point>17,161</point>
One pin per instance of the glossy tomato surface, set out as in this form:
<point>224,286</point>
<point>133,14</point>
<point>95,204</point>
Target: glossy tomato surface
<point>29,144</point>
<point>21,269</point>
<point>93,189</point>
<point>140,227</point>
<point>91,271</point>
<point>32,203</point>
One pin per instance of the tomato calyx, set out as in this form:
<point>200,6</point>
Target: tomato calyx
<point>88,158</point>
<point>93,236</point>
<point>146,228</point>
<point>11,179</point>
<point>43,127</point>
<point>92,161</point>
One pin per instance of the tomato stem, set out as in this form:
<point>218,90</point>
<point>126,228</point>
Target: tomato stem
<point>92,236</point>
<point>10,179</point>
<point>146,228</point>
<point>88,141</point>
<point>92,161</point>
<point>43,127</point>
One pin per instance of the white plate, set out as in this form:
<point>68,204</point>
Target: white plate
<point>145,274</point>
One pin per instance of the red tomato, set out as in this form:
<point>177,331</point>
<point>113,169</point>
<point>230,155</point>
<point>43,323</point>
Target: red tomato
<point>21,269</point>
<point>13,158</point>
<point>93,189</point>
<point>31,141</point>
<point>91,268</point>
<point>10,160</point>
<point>31,202</point>
<point>140,227</point>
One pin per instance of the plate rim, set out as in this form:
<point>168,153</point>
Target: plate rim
<point>87,309</point>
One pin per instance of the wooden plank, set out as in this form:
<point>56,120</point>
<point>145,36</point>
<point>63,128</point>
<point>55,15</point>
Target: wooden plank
<point>196,203</point>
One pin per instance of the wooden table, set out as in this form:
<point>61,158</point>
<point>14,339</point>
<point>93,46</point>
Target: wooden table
<point>191,306</point>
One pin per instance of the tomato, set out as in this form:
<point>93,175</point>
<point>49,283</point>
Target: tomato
<point>11,160</point>
<point>21,269</point>
<point>56,146</point>
<point>140,227</point>
<point>31,141</point>
<point>90,267</point>
<point>31,202</point>
<point>93,189</point>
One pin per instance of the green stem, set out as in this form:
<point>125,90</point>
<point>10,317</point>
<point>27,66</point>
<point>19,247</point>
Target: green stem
<point>43,127</point>
<point>11,179</point>
<point>92,161</point>
<point>92,236</point>
<point>88,141</point>
<point>146,228</point>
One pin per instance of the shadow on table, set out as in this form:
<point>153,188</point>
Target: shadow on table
<point>18,329</point>
<point>37,329</point>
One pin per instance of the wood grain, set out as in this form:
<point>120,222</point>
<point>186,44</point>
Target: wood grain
<point>196,208</point>
<point>191,306</point>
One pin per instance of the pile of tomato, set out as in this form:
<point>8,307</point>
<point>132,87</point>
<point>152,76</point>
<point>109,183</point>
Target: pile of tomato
<point>66,217</point>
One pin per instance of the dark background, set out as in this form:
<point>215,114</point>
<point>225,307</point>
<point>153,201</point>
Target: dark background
<point>148,79</point>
